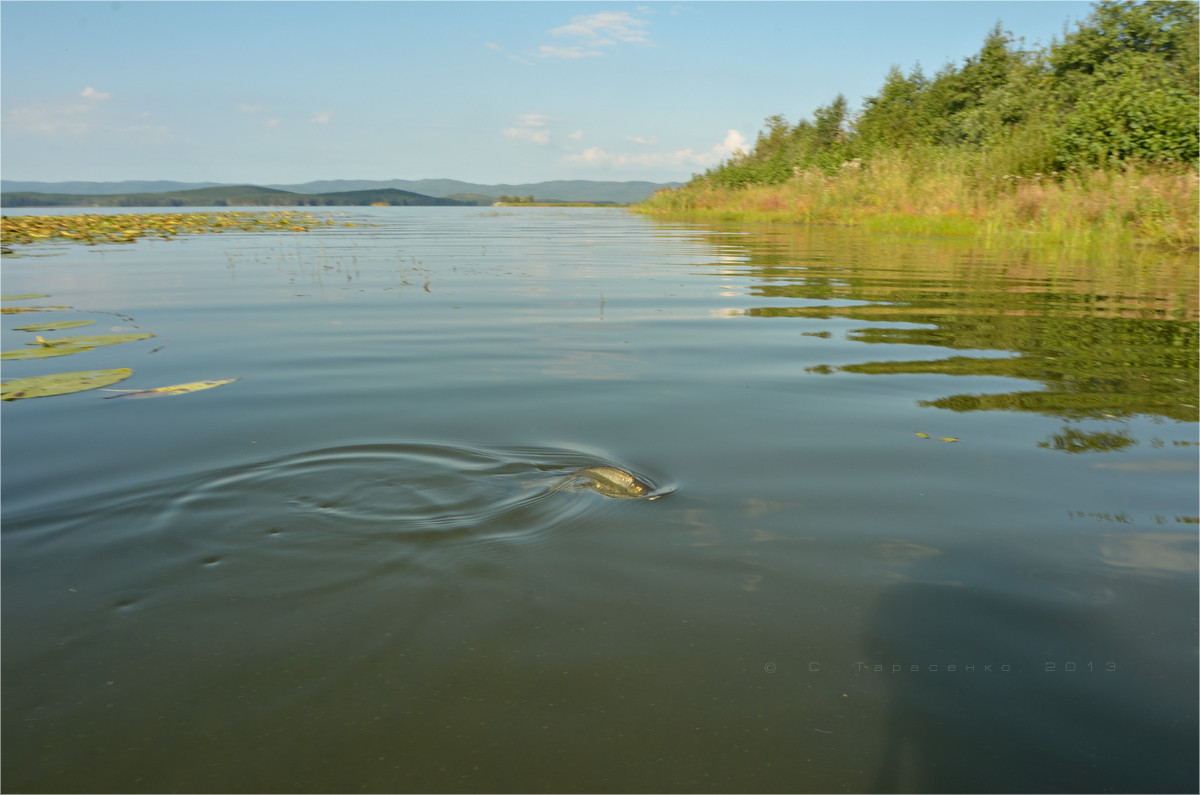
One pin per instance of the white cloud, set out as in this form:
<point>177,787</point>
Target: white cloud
<point>571,53</point>
<point>531,134</point>
<point>531,127</point>
<point>604,29</point>
<point>244,108</point>
<point>91,93</point>
<point>595,156</point>
<point>76,115</point>
<point>577,135</point>
<point>734,142</point>
<point>637,139</point>
<point>324,117</point>
<point>533,119</point>
<point>43,121</point>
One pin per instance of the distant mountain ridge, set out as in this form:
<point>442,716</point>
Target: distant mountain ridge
<point>558,190</point>
<point>231,196</point>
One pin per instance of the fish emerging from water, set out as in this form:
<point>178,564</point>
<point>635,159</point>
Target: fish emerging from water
<point>611,482</point>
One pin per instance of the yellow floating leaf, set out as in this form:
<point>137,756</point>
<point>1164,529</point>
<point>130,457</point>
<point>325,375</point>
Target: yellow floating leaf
<point>61,346</point>
<point>43,351</point>
<point>13,310</point>
<point>923,435</point>
<point>947,438</point>
<point>61,383</point>
<point>177,389</point>
<point>54,325</point>
<point>91,341</point>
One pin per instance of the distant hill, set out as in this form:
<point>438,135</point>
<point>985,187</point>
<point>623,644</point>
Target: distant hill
<point>578,190</point>
<point>102,188</point>
<point>468,192</point>
<point>390,196</point>
<point>228,196</point>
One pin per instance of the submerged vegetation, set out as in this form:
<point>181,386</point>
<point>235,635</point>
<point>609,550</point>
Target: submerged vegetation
<point>1092,140</point>
<point>127,228</point>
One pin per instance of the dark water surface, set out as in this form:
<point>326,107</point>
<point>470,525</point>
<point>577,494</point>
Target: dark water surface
<point>353,570</point>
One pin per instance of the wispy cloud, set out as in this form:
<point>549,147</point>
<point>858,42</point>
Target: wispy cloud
<point>570,53</point>
<point>595,156</point>
<point>507,54</point>
<point>637,139</point>
<point>90,93</point>
<point>606,27</point>
<point>531,127</point>
<point>324,117</point>
<point>533,135</point>
<point>534,119</point>
<point>258,110</point>
<point>586,36</point>
<point>591,32</point>
<point>77,115</point>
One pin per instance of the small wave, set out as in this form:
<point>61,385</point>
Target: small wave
<point>317,518</point>
<point>392,492</point>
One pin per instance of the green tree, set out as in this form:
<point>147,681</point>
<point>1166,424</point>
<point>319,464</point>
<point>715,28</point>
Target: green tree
<point>894,118</point>
<point>1134,110</point>
<point>1127,77</point>
<point>1164,28</point>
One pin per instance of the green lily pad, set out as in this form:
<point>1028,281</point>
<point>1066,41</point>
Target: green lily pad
<point>175,389</point>
<point>90,342</point>
<point>19,297</point>
<point>43,352</point>
<point>54,325</point>
<point>13,310</point>
<point>61,383</point>
<point>62,346</point>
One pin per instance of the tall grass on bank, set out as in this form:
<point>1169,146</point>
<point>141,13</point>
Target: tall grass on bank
<point>961,196</point>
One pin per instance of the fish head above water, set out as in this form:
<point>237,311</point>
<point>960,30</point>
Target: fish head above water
<point>613,482</point>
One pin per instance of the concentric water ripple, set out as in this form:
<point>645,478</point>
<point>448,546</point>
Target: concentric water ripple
<point>316,518</point>
<point>391,492</point>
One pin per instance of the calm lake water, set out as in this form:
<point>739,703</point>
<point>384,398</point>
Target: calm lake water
<point>356,568</point>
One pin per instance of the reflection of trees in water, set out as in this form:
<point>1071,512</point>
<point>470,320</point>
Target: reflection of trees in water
<point>1076,441</point>
<point>1104,339</point>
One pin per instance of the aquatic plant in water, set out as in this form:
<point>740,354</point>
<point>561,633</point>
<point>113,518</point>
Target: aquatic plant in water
<point>93,229</point>
<point>81,380</point>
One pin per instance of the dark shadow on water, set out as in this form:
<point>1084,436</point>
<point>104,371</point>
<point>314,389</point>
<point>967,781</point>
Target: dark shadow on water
<point>1048,690</point>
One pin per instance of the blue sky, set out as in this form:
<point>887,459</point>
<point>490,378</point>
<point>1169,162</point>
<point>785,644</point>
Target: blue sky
<point>490,92</point>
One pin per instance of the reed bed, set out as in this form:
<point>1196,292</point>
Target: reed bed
<point>957,197</point>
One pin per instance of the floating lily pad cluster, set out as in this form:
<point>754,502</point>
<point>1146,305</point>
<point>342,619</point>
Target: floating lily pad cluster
<point>80,380</point>
<point>128,227</point>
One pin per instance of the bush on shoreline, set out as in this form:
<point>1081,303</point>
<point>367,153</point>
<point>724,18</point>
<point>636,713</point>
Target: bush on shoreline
<point>1092,140</point>
<point>894,194</point>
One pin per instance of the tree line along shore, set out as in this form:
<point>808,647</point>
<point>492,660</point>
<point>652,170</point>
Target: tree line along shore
<point>1092,140</point>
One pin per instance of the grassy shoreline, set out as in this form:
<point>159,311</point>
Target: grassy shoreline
<point>889,194</point>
